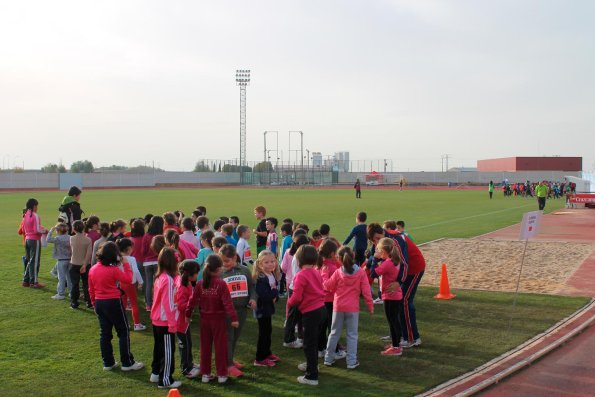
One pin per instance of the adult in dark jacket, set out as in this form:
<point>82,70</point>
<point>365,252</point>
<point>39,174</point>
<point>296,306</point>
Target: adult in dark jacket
<point>70,209</point>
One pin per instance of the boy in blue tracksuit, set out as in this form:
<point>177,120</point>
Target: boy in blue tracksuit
<point>361,241</point>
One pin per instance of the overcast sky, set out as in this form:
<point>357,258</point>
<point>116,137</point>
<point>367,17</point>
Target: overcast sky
<point>131,82</point>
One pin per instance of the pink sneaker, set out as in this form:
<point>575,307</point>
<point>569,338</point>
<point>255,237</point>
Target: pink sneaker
<point>234,372</point>
<point>392,351</point>
<point>264,363</point>
<point>274,358</point>
<point>238,364</point>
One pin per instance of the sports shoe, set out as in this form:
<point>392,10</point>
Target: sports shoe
<point>134,367</point>
<point>173,385</point>
<point>238,364</point>
<point>234,372</point>
<point>353,366</point>
<point>148,308</point>
<point>58,297</point>
<point>264,363</point>
<point>74,306</point>
<point>139,327</point>
<point>341,354</point>
<point>386,338</point>
<point>222,379</point>
<point>329,363</point>
<point>194,372</point>
<point>304,381</point>
<point>304,366</point>
<point>111,367</point>
<point>378,301</point>
<point>25,284</point>
<point>296,344</point>
<point>197,366</point>
<point>154,378</point>
<point>392,351</point>
<point>274,358</point>
<point>321,353</point>
<point>37,285</point>
<point>207,378</point>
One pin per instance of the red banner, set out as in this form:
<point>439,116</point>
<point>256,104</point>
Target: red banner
<point>583,198</point>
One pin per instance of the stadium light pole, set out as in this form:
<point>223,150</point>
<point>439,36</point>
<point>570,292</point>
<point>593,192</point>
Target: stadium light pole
<point>301,149</point>
<point>242,80</point>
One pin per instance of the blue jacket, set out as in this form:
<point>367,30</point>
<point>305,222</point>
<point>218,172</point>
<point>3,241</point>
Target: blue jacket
<point>267,296</point>
<point>361,237</point>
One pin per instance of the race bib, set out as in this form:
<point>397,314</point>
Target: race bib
<point>237,285</point>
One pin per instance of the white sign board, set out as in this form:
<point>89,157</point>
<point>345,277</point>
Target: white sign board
<point>530,225</point>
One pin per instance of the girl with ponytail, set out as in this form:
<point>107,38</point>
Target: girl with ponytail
<point>33,231</point>
<point>184,286</point>
<point>347,284</point>
<point>388,270</point>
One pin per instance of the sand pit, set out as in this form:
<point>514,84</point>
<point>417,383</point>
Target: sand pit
<point>494,264</point>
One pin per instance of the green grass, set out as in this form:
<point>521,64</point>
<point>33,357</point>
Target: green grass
<point>47,349</point>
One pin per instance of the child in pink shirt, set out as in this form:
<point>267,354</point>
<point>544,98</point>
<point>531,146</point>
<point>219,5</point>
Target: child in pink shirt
<point>388,270</point>
<point>347,284</point>
<point>308,295</point>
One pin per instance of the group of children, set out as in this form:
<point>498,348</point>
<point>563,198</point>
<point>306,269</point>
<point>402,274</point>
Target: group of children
<point>185,264</point>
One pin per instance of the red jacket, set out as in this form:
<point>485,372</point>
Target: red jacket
<point>417,262</point>
<point>215,300</point>
<point>188,250</point>
<point>173,227</point>
<point>103,281</point>
<point>137,251</point>
<point>183,295</point>
<point>164,312</point>
<point>147,253</point>
<point>329,266</point>
<point>308,292</point>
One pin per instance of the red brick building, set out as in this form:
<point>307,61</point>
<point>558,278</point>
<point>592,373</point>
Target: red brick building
<point>513,164</point>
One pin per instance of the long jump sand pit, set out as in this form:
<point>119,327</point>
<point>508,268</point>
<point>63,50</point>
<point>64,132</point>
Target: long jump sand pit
<point>494,264</point>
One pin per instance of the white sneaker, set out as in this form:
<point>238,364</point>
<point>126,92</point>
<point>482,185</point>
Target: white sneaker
<point>304,366</point>
<point>139,327</point>
<point>296,344</point>
<point>340,354</point>
<point>353,366</point>
<point>110,368</point>
<point>222,379</point>
<point>206,378</point>
<point>173,385</point>
<point>378,301</point>
<point>194,372</point>
<point>329,363</point>
<point>154,378</point>
<point>58,297</point>
<point>321,353</point>
<point>386,338</point>
<point>304,381</point>
<point>134,367</point>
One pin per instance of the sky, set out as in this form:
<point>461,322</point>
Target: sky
<point>136,82</point>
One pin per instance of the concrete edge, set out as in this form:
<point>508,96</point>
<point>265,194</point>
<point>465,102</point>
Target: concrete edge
<point>446,386</point>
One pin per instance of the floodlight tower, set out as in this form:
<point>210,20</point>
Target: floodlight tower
<point>242,80</point>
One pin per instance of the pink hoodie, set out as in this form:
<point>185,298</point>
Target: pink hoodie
<point>32,226</point>
<point>188,250</point>
<point>308,293</point>
<point>347,289</point>
<point>286,267</point>
<point>388,272</point>
<point>164,312</point>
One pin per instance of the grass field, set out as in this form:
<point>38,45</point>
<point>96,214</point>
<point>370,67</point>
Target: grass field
<point>47,349</point>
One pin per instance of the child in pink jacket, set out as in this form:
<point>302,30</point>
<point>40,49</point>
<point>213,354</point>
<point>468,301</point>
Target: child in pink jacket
<point>347,284</point>
<point>164,315</point>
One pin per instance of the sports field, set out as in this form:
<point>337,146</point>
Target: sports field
<point>47,349</point>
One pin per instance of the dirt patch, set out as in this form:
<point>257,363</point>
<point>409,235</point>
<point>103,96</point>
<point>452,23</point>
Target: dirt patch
<point>494,264</point>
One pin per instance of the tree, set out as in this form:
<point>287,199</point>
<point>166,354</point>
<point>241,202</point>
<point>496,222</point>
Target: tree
<point>53,168</point>
<point>219,167</point>
<point>113,167</point>
<point>235,168</point>
<point>82,166</point>
<point>264,166</point>
<point>201,167</point>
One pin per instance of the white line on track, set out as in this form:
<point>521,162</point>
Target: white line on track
<point>470,217</point>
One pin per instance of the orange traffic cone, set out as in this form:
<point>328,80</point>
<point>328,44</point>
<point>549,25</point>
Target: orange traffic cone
<point>444,286</point>
<point>174,393</point>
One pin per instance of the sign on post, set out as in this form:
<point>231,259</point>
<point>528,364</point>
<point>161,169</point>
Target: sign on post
<point>530,225</point>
